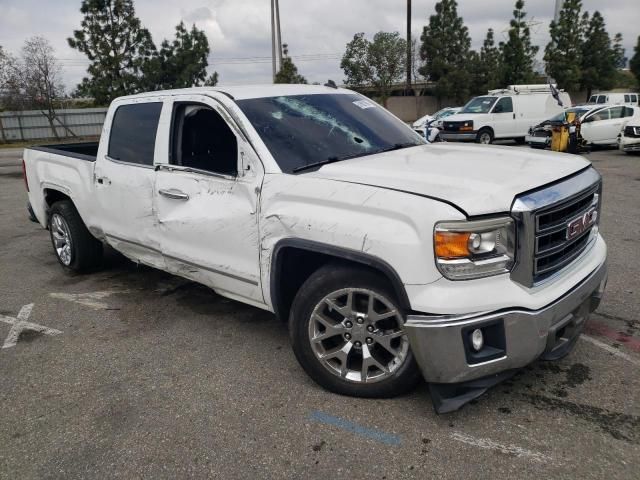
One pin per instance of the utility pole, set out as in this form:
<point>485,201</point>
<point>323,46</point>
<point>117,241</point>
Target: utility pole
<point>278,36</point>
<point>409,59</point>
<point>273,40</point>
<point>559,4</point>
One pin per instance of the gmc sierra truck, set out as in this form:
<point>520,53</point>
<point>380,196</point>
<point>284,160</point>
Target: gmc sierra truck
<point>390,258</point>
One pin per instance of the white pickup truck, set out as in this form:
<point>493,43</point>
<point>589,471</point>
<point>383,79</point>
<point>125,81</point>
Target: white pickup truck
<point>390,258</point>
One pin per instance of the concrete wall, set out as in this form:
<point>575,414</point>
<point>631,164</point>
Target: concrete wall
<point>412,108</point>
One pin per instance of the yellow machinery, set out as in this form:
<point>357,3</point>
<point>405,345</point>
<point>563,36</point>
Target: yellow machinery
<point>560,134</point>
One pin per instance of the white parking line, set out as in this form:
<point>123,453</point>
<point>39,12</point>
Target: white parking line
<point>489,444</point>
<point>19,324</point>
<point>611,349</point>
<point>88,299</point>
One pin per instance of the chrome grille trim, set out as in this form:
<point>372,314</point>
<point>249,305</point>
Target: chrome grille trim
<point>560,203</point>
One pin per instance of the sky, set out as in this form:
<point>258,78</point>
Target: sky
<point>317,32</point>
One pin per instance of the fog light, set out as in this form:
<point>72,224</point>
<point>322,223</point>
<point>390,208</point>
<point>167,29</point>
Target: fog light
<point>477,340</point>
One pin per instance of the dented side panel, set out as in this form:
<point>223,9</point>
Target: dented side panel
<point>395,227</point>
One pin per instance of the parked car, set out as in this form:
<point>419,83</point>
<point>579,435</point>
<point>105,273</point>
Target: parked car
<point>434,120</point>
<point>388,257</point>
<point>629,139</point>
<point>614,98</point>
<point>504,114</point>
<point>601,124</point>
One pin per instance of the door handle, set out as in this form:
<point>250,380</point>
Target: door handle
<point>103,181</point>
<point>174,194</point>
<point>514,116</point>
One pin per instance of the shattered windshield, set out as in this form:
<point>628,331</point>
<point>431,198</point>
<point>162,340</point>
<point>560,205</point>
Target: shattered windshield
<point>301,130</point>
<point>479,105</point>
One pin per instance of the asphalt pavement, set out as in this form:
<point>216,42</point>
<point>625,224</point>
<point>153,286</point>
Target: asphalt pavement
<point>130,372</point>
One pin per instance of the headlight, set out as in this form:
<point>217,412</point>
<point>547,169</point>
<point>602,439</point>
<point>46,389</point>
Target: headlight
<point>466,250</point>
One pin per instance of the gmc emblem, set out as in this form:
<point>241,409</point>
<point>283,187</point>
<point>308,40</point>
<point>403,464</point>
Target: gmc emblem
<point>578,225</point>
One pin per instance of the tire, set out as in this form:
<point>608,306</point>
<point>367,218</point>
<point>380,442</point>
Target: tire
<point>485,136</point>
<point>385,374</point>
<point>75,248</point>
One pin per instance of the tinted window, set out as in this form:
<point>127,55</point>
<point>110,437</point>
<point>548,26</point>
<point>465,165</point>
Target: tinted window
<point>627,98</point>
<point>593,99</point>
<point>504,105</point>
<point>479,105</point>
<point>634,99</point>
<point>133,133</point>
<point>301,130</point>
<point>602,99</point>
<point>617,112</point>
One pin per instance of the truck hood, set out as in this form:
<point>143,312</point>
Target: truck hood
<point>478,179</point>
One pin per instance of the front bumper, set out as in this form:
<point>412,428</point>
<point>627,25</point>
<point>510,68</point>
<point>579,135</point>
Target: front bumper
<point>459,137</point>
<point>629,144</point>
<point>540,142</point>
<point>518,336</point>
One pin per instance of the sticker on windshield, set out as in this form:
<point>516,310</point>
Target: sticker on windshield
<point>364,104</point>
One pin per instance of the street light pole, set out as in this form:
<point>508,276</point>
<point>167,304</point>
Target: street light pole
<point>278,36</point>
<point>273,40</point>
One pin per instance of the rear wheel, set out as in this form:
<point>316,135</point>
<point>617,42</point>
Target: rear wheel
<point>73,244</point>
<point>347,331</point>
<point>485,136</point>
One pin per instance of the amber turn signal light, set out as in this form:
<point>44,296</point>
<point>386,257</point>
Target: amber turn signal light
<point>452,244</point>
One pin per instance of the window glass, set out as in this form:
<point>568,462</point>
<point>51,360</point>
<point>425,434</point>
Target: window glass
<point>302,130</point>
<point>133,133</point>
<point>479,105</point>
<point>203,140</point>
<point>504,105</point>
<point>599,115</point>
<point>593,99</point>
<point>634,99</point>
<point>627,98</point>
<point>616,112</point>
<point>602,99</point>
<point>628,112</point>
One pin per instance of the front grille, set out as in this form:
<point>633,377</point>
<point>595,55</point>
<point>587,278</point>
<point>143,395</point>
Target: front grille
<point>553,250</point>
<point>630,131</point>
<point>554,225</point>
<point>540,133</point>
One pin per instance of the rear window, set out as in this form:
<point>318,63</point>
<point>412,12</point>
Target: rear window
<point>133,133</point>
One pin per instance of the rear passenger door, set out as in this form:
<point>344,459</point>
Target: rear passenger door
<point>207,200</point>
<point>124,179</point>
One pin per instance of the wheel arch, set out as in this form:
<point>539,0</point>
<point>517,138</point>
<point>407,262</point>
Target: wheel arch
<point>294,260</point>
<point>50,196</point>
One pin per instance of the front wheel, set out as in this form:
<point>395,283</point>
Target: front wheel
<point>347,331</point>
<point>485,136</point>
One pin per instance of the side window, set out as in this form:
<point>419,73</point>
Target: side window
<point>202,139</point>
<point>602,99</point>
<point>627,98</point>
<point>504,105</point>
<point>133,133</point>
<point>617,112</point>
<point>593,99</point>
<point>599,115</point>
<point>634,99</point>
<point>628,112</point>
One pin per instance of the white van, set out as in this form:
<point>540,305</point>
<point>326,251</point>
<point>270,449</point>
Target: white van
<point>504,114</point>
<point>615,98</point>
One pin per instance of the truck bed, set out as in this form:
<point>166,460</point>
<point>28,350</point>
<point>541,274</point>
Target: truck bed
<point>83,151</point>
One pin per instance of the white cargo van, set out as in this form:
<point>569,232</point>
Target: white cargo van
<point>615,98</point>
<point>504,114</point>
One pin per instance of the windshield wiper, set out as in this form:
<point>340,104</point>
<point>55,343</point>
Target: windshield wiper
<point>333,159</point>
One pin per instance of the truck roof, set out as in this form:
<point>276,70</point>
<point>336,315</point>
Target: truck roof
<point>243,92</point>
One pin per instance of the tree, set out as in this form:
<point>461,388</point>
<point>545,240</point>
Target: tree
<point>354,62</point>
<point>387,59</point>
<point>634,63</point>
<point>486,67</point>
<point>618,51</point>
<point>181,63</point>
<point>288,71</point>
<point>599,58</point>
<point>445,50</point>
<point>518,54</point>
<point>113,39</point>
<point>563,54</point>
<point>41,83</point>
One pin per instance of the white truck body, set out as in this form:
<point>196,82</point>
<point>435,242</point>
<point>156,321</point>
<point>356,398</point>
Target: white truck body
<point>231,231</point>
<point>504,114</point>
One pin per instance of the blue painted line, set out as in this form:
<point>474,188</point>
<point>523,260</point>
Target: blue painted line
<point>373,434</point>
